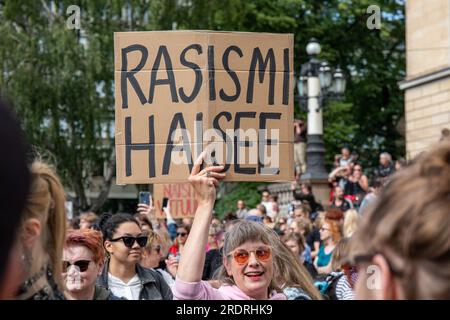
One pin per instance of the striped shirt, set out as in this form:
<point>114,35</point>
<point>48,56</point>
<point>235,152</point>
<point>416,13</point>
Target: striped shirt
<point>343,289</point>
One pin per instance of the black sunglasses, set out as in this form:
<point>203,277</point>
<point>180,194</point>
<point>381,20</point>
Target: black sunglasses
<point>128,241</point>
<point>83,265</point>
<point>181,234</point>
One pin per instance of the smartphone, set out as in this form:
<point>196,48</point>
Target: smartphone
<point>144,197</point>
<point>165,202</point>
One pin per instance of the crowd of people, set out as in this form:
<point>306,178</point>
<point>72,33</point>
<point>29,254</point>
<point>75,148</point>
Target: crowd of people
<point>382,238</point>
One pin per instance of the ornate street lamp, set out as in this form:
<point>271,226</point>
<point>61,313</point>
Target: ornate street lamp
<point>316,84</point>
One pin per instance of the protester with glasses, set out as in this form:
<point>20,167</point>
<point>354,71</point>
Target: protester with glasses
<point>153,254</point>
<point>248,264</point>
<point>124,242</point>
<point>330,234</point>
<point>405,236</point>
<point>83,258</point>
<point>176,249</point>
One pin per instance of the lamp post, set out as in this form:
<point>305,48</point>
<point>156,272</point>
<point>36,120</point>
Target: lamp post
<point>316,84</point>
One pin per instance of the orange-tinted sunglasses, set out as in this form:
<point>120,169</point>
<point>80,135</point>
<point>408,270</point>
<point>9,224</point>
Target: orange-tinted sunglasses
<point>241,256</point>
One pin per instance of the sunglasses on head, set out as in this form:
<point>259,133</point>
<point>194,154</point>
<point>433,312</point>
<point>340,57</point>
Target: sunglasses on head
<point>83,265</point>
<point>128,241</point>
<point>241,256</point>
<point>183,234</point>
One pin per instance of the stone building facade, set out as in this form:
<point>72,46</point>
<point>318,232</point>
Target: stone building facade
<point>427,83</point>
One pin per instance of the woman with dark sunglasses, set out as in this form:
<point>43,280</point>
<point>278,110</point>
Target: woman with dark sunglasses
<point>152,256</point>
<point>83,258</point>
<point>124,242</point>
<point>248,264</point>
<point>176,249</point>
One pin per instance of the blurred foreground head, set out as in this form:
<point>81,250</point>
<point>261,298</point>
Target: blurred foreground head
<point>40,238</point>
<point>14,184</point>
<point>402,247</point>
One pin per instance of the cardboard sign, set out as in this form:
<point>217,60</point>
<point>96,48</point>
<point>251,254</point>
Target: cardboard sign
<point>181,92</point>
<point>183,202</point>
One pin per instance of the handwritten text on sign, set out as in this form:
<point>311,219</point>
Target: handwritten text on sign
<point>183,202</point>
<point>178,93</point>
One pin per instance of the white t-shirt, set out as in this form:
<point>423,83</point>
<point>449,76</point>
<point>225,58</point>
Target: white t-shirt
<point>130,290</point>
<point>269,207</point>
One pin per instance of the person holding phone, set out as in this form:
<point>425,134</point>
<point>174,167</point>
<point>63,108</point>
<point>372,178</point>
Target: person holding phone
<point>145,197</point>
<point>124,242</point>
<point>146,212</point>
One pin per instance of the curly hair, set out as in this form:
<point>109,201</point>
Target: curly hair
<point>109,223</point>
<point>335,229</point>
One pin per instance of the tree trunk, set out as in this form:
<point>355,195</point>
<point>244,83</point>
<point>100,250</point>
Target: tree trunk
<point>80,203</point>
<point>106,185</point>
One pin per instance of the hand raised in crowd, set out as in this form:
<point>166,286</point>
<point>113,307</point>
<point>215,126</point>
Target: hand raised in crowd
<point>166,210</point>
<point>172,265</point>
<point>294,185</point>
<point>149,211</point>
<point>205,181</point>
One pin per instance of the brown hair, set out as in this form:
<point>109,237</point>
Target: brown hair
<point>291,272</point>
<point>46,202</point>
<point>88,238</point>
<point>340,254</point>
<point>297,238</point>
<point>334,214</point>
<point>410,225</point>
<point>303,224</point>
<point>90,217</point>
<point>143,218</point>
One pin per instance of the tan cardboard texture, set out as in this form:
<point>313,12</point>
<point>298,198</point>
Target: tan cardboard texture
<point>178,92</point>
<point>183,201</point>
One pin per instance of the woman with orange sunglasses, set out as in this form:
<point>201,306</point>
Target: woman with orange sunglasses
<point>248,258</point>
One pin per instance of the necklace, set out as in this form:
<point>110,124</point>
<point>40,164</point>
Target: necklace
<point>32,285</point>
